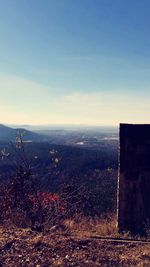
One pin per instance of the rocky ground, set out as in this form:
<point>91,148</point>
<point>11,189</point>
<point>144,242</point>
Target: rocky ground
<point>23,247</point>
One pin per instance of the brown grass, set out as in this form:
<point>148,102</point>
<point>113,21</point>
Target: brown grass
<point>83,226</point>
<point>106,226</point>
<point>70,245</point>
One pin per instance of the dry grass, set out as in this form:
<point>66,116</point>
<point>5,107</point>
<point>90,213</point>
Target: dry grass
<point>83,226</point>
<point>70,245</point>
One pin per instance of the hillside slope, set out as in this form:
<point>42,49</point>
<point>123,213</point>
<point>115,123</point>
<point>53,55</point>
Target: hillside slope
<point>8,134</point>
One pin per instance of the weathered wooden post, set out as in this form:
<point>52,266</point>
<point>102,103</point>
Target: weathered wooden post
<point>134,178</point>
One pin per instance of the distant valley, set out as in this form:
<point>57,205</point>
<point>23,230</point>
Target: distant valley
<point>82,157</point>
<point>81,136</point>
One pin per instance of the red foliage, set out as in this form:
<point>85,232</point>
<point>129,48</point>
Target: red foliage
<point>47,200</point>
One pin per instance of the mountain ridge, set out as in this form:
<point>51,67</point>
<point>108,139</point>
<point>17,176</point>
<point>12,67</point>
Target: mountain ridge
<point>8,134</point>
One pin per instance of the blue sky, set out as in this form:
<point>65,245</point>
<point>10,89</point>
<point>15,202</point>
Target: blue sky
<point>74,61</point>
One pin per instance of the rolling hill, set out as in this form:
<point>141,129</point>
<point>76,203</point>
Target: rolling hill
<point>8,134</point>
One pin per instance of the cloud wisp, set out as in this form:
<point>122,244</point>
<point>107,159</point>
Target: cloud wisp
<point>25,101</point>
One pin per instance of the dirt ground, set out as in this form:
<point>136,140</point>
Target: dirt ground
<point>23,247</point>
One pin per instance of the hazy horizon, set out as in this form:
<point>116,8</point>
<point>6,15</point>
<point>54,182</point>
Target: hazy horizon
<point>58,125</point>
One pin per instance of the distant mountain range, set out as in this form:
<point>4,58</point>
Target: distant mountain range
<point>8,134</point>
<point>66,127</point>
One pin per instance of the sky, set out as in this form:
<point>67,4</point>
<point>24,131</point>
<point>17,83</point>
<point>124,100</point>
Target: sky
<point>74,61</point>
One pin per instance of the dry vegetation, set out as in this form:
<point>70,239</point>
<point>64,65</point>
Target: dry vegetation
<point>58,237</point>
<point>87,226</point>
<point>70,244</point>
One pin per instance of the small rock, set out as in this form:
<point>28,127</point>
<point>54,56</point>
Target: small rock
<point>67,256</point>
